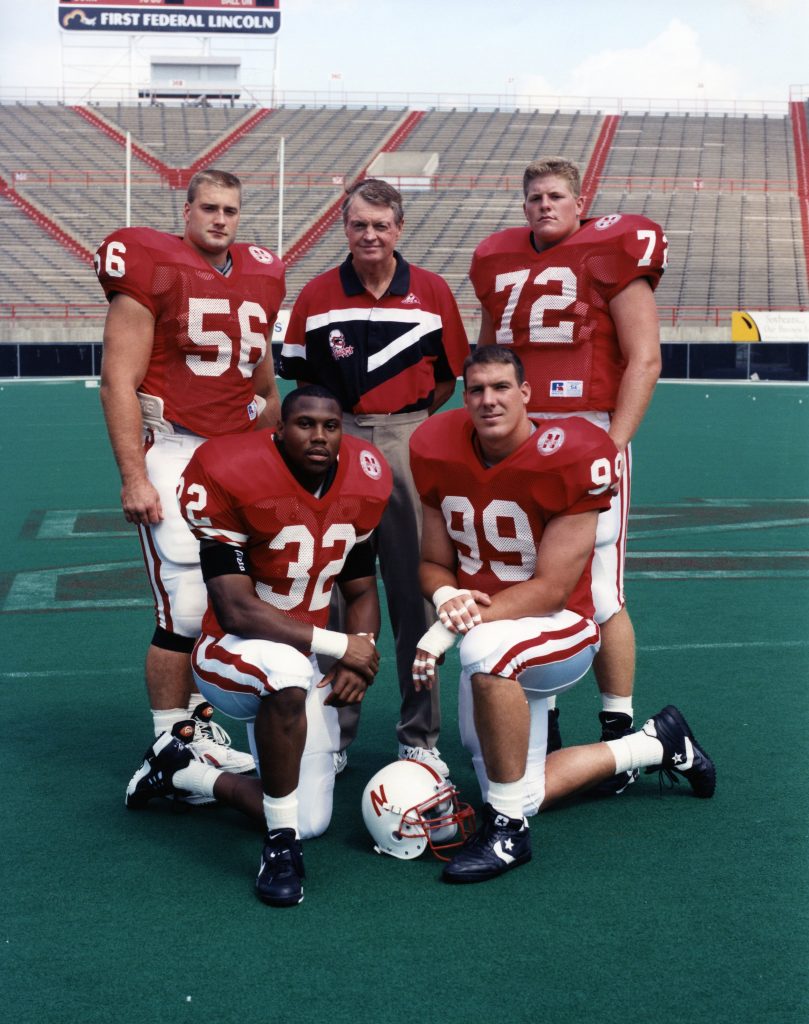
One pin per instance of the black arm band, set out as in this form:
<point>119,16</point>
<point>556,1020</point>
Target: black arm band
<point>361,562</point>
<point>217,559</point>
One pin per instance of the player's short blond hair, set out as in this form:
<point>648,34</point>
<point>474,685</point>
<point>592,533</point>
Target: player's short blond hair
<point>556,166</point>
<point>212,176</point>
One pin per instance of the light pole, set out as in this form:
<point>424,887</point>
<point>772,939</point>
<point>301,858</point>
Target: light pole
<point>280,195</point>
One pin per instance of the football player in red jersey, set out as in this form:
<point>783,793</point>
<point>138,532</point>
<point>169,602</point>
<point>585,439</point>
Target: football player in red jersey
<point>575,300</point>
<point>185,358</point>
<point>510,508</point>
<point>279,520</point>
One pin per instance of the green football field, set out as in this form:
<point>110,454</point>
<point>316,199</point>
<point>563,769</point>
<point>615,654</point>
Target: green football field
<point>654,906</point>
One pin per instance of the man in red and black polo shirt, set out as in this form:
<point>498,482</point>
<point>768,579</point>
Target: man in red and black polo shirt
<point>387,338</point>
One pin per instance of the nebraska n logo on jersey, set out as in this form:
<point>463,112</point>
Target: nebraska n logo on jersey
<point>550,441</point>
<point>262,255</point>
<point>369,464</point>
<point>607,222</point>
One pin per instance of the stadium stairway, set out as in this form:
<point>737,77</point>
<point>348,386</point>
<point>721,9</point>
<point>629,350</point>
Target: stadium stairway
<point>799,113</point>
<point>329,216</point>
<point>41,218</point>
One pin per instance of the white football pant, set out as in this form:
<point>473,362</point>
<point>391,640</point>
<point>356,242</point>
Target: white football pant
<point>170,549</point>
<point>236,674</point>
<point>546,655</point>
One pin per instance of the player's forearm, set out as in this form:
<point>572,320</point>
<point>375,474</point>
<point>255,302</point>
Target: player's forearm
<point>362,612</point>
<point>267,388</point>
<point>634,314</point>
<point>253,619</point>
<point>125,429</point>
<point>432,576</point>
<point>634,395</point>
<point>530,598</point>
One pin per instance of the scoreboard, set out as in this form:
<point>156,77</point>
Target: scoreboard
<point>238,17</point>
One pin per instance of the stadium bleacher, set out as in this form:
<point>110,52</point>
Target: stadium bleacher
<point>727,189</point>
<point>175,134</point>
<point>36,268</point>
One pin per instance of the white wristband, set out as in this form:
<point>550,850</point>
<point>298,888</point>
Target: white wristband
<point>446,593</point>
<point>437,640</point>
<point>327,641</point>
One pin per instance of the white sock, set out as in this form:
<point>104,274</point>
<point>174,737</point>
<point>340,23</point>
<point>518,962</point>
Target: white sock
<point>193,702</point>
<point>506,797</point>
<point>281,811</point>
<point>551,702</point>
<point>197,778</point>
<point>638,750</point>
<point>610,702</point>
<point>164,720</point>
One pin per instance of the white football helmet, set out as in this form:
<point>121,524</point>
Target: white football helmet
<point>408,806</point>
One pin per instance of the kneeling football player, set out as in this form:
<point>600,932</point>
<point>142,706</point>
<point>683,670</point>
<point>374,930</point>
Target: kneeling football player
<point>280,518</point>
<point>510,509</point>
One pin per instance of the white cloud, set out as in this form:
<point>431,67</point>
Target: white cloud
<point>671,65</point>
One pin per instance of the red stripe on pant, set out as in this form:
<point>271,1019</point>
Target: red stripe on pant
<point>626,491</point>
<point>545,636</point>
<point>214,651</point>
<point>152,561</point>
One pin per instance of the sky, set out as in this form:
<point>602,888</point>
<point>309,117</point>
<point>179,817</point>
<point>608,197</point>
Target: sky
<point>708,50</point>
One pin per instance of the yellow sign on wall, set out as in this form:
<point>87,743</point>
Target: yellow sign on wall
<point>769,325</point>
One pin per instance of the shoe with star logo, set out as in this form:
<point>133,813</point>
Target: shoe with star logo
<point>682,755</point>
<point>500,844</point>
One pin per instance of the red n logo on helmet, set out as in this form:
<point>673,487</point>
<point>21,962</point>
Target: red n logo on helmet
<point>378,800</point>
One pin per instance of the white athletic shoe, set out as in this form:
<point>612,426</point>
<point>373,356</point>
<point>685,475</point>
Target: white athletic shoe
<point>427,755</point>
<point>211,744</point>
<point>340,760</point>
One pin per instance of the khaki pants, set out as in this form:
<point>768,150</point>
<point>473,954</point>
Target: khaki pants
<point>398,541</point>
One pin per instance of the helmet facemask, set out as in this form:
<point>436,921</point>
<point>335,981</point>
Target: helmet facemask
<point>407,806</point>
<point>443,820</point>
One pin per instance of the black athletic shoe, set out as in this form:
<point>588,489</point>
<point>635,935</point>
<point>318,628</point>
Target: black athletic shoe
<point>682,755</point>
<point>167,755</point>
<point>500,844</point>
<point>554,736</point>
<point>281,872</point>
<point>614,725</point>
